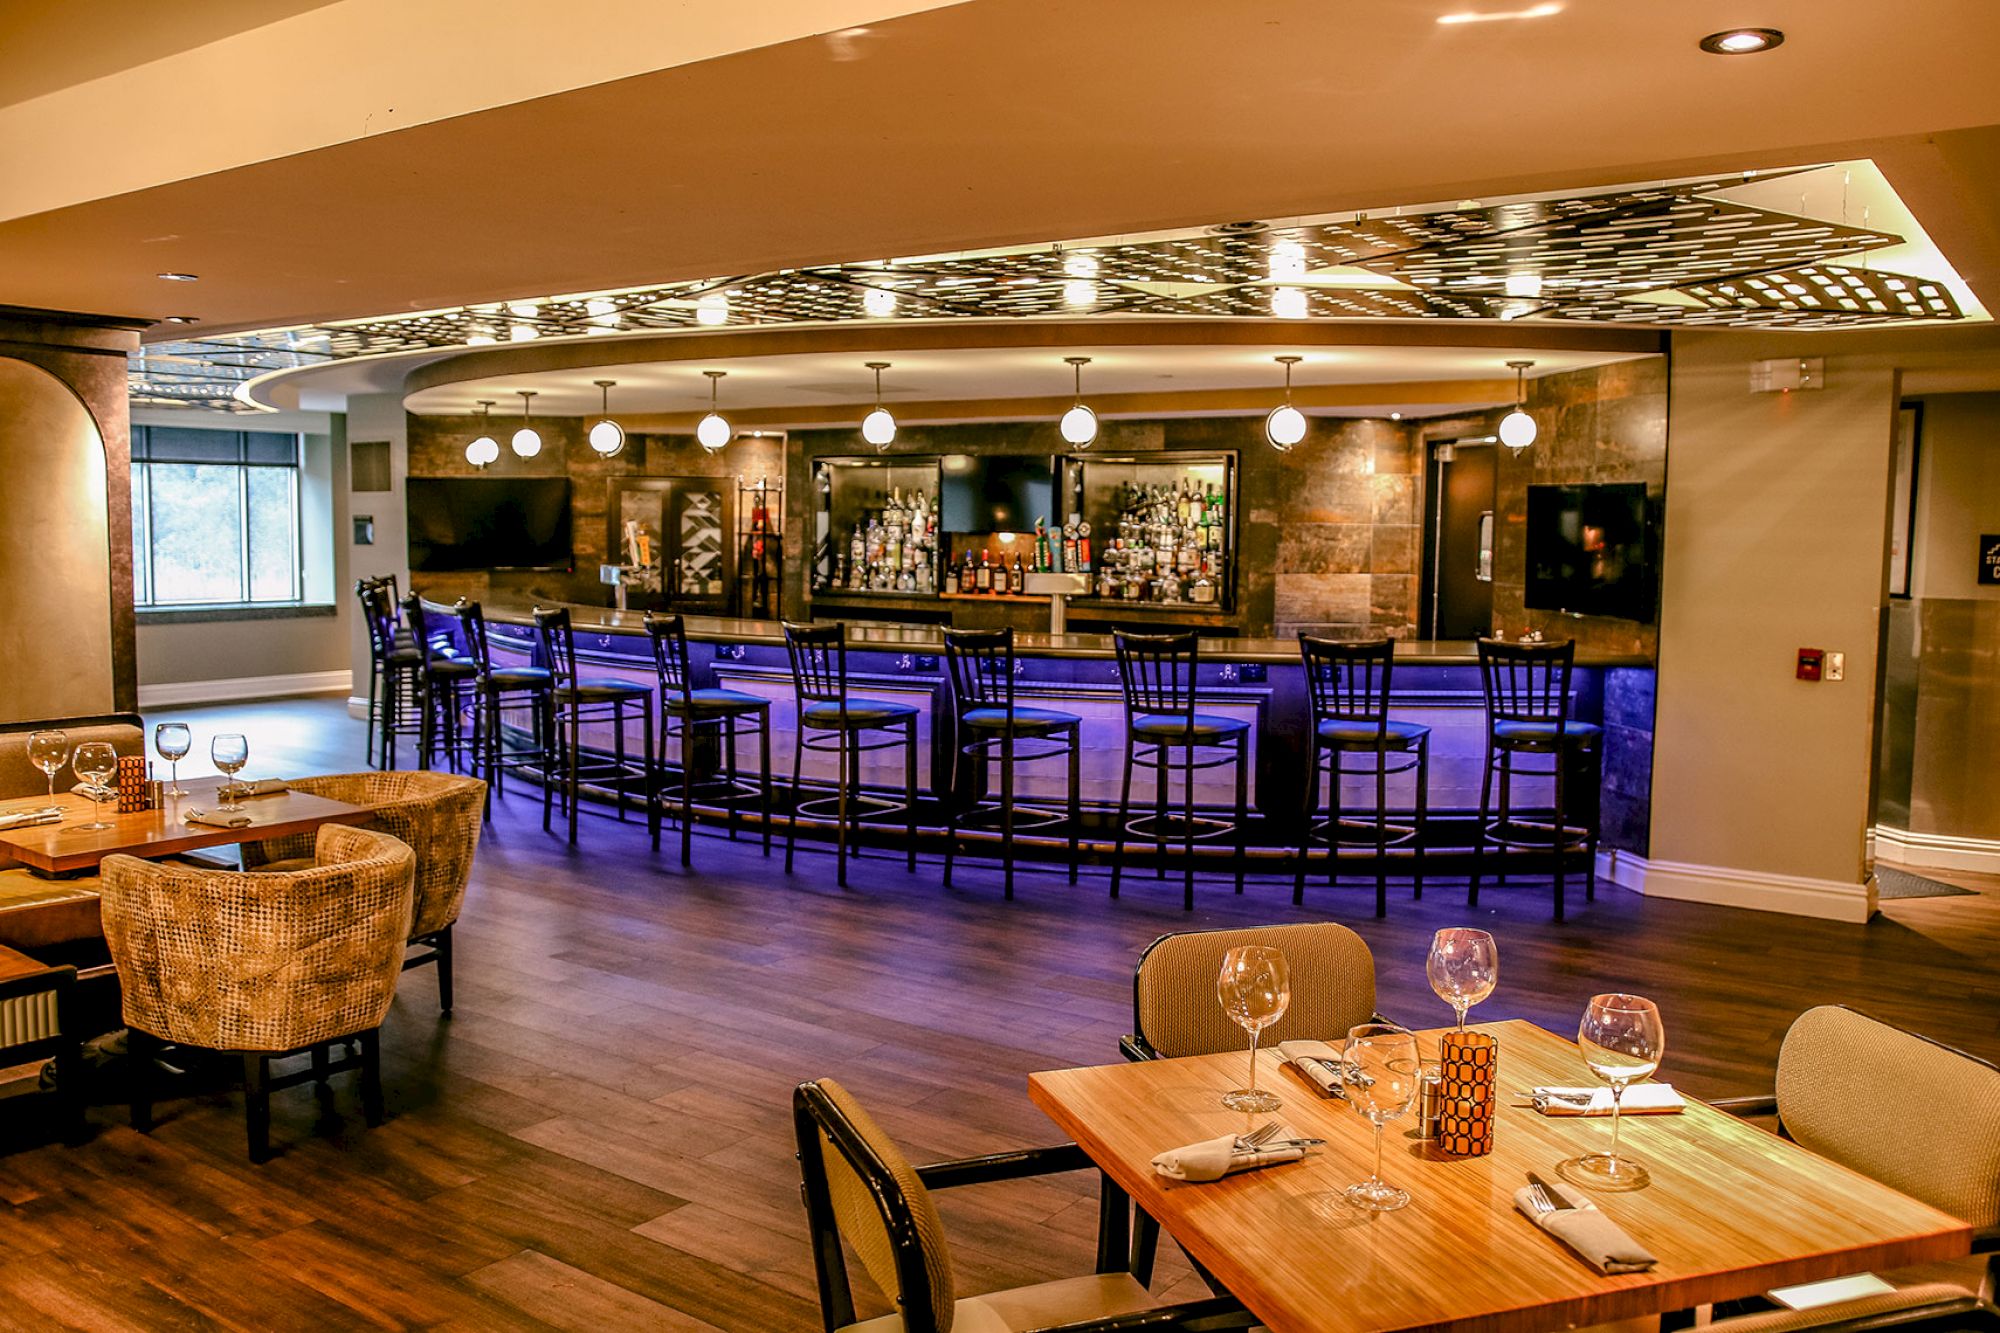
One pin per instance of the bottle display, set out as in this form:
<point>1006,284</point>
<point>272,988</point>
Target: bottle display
<point>1168,542</point>
<point>892,547</point>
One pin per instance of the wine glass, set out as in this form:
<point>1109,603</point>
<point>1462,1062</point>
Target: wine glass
<point>1383,1075</point>
<point>1255,988</point>
<point>173,740</point>
<point>230,751</point>
<point>95,763</point>
<point>1464,966</point>
<point>1622,1040</point>
<point>49,751</point>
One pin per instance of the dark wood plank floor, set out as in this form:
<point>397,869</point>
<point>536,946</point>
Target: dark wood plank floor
<point>600,1138</point>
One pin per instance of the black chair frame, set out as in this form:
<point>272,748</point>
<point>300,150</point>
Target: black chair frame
<point>819,675</point>
<point>393,687</point>
<point>143,1049</point>
<point>447,692</point>
<point>63,1047</point>
<point>681,721</point>
<point>492,698</point>
<point>570,710</point>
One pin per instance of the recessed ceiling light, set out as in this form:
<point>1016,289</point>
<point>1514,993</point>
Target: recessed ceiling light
<point>182,319</point>
<point>1741,41</point>
<point>1498,15</point>
<point>179,277</point>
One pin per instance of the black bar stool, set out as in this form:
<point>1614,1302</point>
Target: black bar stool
<point>575,702</point>
<point>446,686</point>
<point>499,688</point>
<point>1158,673</point>
<point>984,715</point>
<point>819,680</point>
<point>1349,687</point>
<point>393,659</point>
<point>1527,713</point>
<point>684,709</point>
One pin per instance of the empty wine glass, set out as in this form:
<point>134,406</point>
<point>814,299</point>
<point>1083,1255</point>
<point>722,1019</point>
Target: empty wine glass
<point>1622,1039</point>
<point>173,740</point>
<point>1383,1075</point>
<point>230,751</point>
<point>49,751</point>
<point>1464,966</point>
<point>95,763</point>
<point>1255,988</point>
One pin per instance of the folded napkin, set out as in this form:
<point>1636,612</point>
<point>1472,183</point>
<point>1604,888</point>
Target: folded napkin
<point>90,793</point>
<point>1597,1239</point>
<point>1318,1061</point>
<point>1640,1099</point>
<point>30,818</point>
<point>216,818</point>
<point>262,787</point>
<point>1212,1159</point>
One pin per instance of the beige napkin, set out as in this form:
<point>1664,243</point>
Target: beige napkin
<point>90,793</point>
<point>1212,1159</point>
<point>216,818</point>
<point>1319,1061</point>
<point>262,787</point>
<point>30,818</point>
<point>1640,1099</point>
<point>1597,1239</point>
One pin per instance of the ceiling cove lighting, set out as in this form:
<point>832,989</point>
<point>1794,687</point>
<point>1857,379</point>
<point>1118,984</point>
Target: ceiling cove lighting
<point>878,302</point>
<point>1517,428</point>
<point>1288,302</point>
<point>523,333</point>
<point>878,427</point>
<point>1079,424</point>
<point>527,442</point>
<point>713,431</point>
<point>604,314</point>
<point>484,449</point>
<point>1500,15</point>
<point>1741,41</point>
<point>178,277</point>
<point>711,310</point>
<point>607,437</point>
<point>1286,425</point>
<point>1287,261</point>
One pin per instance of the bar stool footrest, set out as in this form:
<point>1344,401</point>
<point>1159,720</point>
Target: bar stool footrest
<point>1538,836</point>
<point>858,806</point>
<point>1363,832</point>
<point>1172,827</point>
<point>1026,817</point>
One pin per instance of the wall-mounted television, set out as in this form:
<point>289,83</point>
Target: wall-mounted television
<point>1590,551</point>
<point>995,492</point>
<point>459,523</point>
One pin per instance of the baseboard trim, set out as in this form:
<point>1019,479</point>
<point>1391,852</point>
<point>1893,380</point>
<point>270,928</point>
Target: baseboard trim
<point>357,705</point>
<point>1625,869</point>
<point>1936,851</point>
<point>238,689</point>
<point>1757,891</point>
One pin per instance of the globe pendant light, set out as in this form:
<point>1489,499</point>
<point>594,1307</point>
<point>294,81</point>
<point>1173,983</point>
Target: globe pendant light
<point>1517,428</point>
<point>878,427</point>
<point>607,437</point>
<point>1286,425</point>
<point>713,431</point>
<point>484,449</point>
<point>1079,424</point>
<point>526,443</point>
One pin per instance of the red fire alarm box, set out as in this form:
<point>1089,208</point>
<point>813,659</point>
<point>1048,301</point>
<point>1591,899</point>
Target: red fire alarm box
<point>1812,661</point>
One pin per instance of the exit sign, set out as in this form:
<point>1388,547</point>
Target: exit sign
<point>1989,558</point>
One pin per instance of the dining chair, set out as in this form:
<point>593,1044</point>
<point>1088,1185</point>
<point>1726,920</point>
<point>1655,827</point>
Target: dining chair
<point>859,1188</point>
<point>832,720</point>
<point>685,710</point>
<point>1937,1139</point>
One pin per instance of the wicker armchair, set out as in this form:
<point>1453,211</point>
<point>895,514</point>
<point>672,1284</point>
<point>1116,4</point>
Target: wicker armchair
<point>262,965</point>
<point>437,814</point>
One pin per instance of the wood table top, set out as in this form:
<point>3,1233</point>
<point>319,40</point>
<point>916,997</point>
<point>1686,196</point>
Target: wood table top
<point>1732,1210</point>
<point>54,849</point>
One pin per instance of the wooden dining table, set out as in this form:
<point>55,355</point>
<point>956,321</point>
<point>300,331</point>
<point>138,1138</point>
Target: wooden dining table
<point>1732,1209</point>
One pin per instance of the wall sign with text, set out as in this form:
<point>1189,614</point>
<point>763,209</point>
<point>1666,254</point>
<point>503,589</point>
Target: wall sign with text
<point>1989,558</point>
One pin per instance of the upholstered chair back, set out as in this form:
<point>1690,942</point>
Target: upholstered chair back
<point>18,777</point>
<point>1176,1012</point>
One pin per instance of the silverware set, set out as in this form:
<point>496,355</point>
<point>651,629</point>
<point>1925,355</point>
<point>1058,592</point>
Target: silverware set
<point>1265,1137</point>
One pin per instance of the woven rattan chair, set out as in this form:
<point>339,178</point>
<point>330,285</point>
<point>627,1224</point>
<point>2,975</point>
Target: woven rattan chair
<point>437,814</point>
<point>860,1188</point>
<point>1938,1140</point>
<point>262,965</point>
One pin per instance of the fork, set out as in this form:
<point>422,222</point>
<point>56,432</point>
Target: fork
<point>1539,1200</point>
<point>1258,1137</point>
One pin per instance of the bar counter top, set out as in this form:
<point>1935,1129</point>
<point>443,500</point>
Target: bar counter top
<point>868,636</point>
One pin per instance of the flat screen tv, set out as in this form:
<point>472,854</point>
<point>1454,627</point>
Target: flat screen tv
<point>996,493</point>
<point>1589,551</point>
<point>489,523</point>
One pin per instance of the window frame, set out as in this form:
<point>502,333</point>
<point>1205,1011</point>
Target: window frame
<point>145,580</point>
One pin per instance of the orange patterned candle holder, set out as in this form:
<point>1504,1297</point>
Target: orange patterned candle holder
<point>1469,1068</point>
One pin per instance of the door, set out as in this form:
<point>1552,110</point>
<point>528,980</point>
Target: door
<point>673,535</point>
<point>1458,541</point>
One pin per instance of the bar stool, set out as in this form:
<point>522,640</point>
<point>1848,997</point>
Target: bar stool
<point>1158,675</point>
<point>1348,684</point>
<point>445,686</point>
<point>684,709</point>
<point>819,681</point>
<point>1527,713</point>
<point>498,687</point>
<point>393,659</point>
<point>576,701</point>
<point>984,715</point>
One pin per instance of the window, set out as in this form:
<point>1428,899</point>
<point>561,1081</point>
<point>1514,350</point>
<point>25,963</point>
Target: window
<point>215,516</point>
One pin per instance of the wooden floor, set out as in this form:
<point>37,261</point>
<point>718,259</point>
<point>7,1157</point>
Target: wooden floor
<point>600,1136</point>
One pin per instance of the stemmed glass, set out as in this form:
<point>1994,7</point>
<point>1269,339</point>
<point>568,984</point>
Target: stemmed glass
<point>1464,966</point>
<point>1255,988</point>
<point>49,751</point>
<point>173,740</point>
<point>1383,1075</point>
<point>230,751</point>
<point>1622,1040</point>
<point>95,762</point>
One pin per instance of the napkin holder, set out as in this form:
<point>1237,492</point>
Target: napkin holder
<point>1468,1088</point>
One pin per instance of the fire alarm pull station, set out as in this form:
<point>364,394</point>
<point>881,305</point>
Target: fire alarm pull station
<point>1811,662</point>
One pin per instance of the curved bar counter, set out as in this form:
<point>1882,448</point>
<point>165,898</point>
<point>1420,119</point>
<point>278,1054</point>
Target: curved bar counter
<point>1259,680</point>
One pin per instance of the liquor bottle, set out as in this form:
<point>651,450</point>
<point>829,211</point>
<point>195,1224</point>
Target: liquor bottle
<point>985,578</point>
<point>1019,583</point>
<point>1107,584</point>
<point>1082,546</point>
<point>1069,545</point>
<point>1202,593</point>
<point>1041,546</point>
<point>968,577</point>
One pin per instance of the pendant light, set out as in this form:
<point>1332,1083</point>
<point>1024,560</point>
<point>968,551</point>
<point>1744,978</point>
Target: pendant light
<point>878,427</point>
<point>607,437</point>
<point>1517,428</point>
<point>1079,424</point>
<point>484,449</point>
<point>713,432</point>
<point>1286,425</point>
<point>526,442</point>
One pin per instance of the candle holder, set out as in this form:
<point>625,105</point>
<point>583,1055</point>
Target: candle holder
<point>1469,1069</point>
